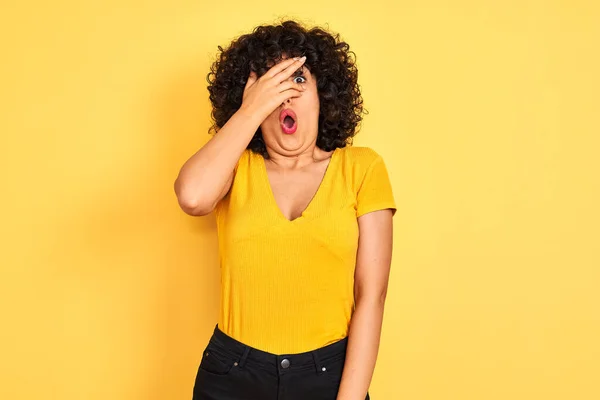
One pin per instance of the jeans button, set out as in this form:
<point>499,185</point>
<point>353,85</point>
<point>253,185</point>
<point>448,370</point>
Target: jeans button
<point>285,363</point>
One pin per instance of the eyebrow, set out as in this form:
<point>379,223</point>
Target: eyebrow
<point>299,71</point>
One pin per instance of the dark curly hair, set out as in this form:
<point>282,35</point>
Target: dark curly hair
<point>328,58</point>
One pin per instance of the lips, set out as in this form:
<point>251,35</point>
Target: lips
<point>288,121</point>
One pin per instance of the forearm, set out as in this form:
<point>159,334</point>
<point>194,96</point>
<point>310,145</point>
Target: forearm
<point>203,176</point>
<point>363,345</point>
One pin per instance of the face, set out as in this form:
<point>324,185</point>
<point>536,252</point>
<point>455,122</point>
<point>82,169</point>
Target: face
<point>306,108</point>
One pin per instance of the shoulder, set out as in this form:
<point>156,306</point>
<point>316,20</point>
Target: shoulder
<point>359,156</point>
<point>357,163</point>
<point>246,158</point>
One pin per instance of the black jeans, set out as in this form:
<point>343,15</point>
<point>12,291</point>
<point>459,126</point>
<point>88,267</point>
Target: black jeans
<point>232,370</point>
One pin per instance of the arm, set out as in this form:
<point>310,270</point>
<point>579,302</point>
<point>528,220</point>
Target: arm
<point>206,177</point>
<point>370,288</point>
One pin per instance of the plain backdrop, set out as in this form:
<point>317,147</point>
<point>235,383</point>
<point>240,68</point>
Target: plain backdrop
<point>486,114</point>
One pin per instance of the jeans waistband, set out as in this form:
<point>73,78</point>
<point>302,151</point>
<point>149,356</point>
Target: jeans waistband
<point>283,362</point>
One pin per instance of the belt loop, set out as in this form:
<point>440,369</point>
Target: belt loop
<point>244,356</point>
<point>317,360</point>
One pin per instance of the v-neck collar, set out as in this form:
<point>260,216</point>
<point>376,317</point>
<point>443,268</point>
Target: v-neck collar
<point>273,203</point>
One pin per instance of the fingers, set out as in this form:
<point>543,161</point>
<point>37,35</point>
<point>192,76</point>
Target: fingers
<point>291,85</point>
<point>287,66</point>
<point>286,94</point>
<point>287,72</point>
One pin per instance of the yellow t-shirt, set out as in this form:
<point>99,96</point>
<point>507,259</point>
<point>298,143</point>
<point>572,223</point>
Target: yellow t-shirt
<point>288,286</point>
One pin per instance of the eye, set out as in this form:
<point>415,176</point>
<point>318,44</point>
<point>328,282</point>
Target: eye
<point>301,77</point>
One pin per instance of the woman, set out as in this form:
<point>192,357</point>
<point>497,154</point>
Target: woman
<point>304,221</point>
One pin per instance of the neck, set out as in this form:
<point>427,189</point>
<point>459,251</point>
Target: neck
<point>297,160</point>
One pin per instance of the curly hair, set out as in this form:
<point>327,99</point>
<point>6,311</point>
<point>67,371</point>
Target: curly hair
<point>328,58</point>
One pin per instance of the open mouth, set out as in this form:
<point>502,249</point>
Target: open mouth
<point>287,119</point>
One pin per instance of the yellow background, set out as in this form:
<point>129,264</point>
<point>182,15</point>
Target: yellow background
<point>486,113</point>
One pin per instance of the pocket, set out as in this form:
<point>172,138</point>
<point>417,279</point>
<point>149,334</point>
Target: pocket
<point>334,369</point>
<point>216,361</point>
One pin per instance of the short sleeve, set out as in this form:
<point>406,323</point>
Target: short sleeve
<point>375,192</point>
